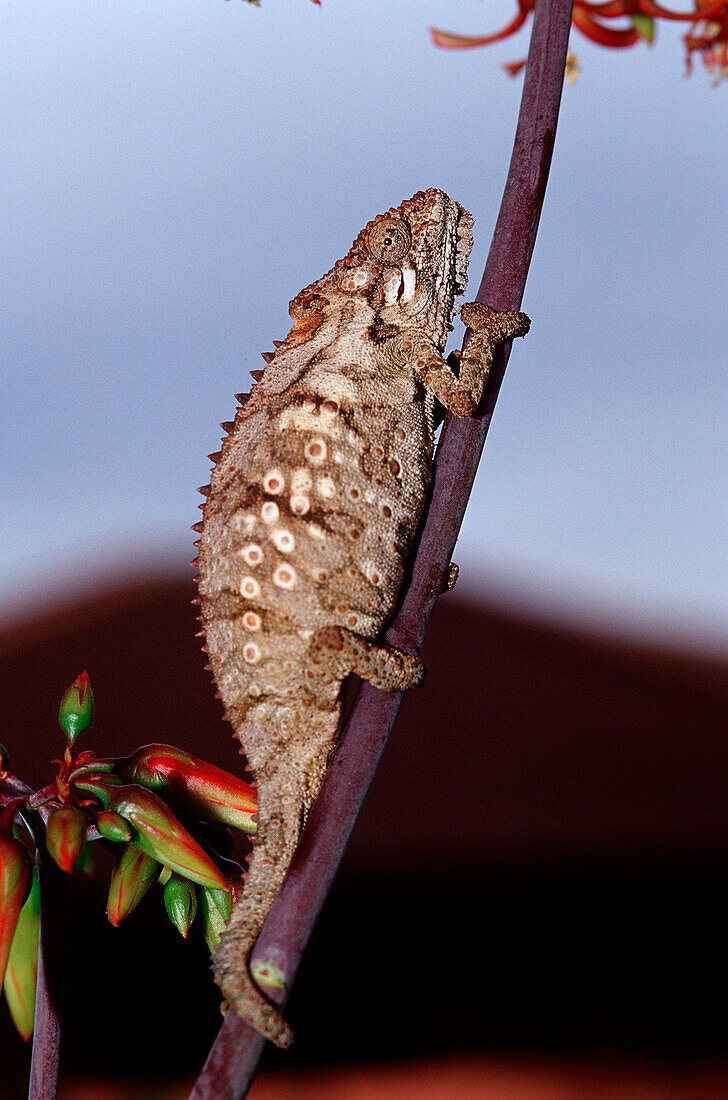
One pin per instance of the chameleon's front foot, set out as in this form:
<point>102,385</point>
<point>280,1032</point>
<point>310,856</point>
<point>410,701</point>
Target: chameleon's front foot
<point>494,324</point>
<point>462,393</point>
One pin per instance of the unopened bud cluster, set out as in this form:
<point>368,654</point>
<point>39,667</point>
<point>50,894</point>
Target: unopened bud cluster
<point>165,812</point>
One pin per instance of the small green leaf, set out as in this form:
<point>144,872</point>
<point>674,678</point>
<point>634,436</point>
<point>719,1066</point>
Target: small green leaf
<point>644,25</point>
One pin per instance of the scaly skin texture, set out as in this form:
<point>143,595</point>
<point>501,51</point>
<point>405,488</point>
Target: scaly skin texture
<point>313,504</point>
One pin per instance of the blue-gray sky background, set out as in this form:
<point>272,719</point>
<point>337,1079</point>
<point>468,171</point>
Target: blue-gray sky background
<point>174,172</point>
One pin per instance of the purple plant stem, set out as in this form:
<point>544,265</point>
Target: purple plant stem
<point>233,1059</point>
<point>51,980</point>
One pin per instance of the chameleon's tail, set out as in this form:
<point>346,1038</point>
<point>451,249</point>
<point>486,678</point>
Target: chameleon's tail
<point>279,823</point>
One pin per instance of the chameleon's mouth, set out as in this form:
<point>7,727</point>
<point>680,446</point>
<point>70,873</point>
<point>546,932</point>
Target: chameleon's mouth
<point>451,272</point>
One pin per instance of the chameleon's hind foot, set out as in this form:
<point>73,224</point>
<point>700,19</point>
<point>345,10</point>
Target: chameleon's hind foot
<point>451,577</point>
<point>338,652</point>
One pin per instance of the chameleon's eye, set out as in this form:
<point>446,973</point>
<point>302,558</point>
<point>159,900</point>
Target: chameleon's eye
<point>390,240</point>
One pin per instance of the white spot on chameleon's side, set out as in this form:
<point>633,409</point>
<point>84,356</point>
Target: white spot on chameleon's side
<point>315,531</point>
<point>251,653</point>
<point>319,575</point>
<point>326,488</point>
<point>315,451</point>
<point>273,482</point>
<point>283,540</point>
<point>251,620</point>
<point>300,505</point>
<point>243,522</point>
<point>254,690</point>
<point>337,388</point>
<point>305,634</point>
<point>270,512</point>
<point>301,419</point>
<point>371,572</point>
<point>252,554</point>
<point>301,480</point>
<point>284,576</point>
<point>249,588</point>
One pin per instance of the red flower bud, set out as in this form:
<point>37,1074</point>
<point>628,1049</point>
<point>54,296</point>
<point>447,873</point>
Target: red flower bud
<point>77,708</point>
<point>22,968</point>
<point>66,836</point>
<point>158,832</point>
<point>14,877</point>
<point>180,901</point>
<point>132,876</point>
<point>196,787</point>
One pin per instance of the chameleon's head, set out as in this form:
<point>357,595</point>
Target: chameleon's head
<point>409,264</point>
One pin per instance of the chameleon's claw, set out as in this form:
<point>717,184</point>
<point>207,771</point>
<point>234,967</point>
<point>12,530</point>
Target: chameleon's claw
<point>451,578</point>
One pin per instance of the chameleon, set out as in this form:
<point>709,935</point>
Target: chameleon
<point>313,504</point>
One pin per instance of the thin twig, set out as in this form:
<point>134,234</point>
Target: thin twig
<point>233,1059</point>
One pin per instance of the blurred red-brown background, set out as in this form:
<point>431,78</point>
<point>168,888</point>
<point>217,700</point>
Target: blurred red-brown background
<point>537,883</point>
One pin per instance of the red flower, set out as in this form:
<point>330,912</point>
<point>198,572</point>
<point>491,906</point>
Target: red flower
<point>708,35</point>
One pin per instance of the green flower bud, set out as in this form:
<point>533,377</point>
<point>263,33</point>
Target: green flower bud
<point>132,876</point>
<point>112,826</point>
<point>66,836</point>
<point>77,708</point>
<point>22,968</point>
<point>180,901</point>
<point>212,916</point>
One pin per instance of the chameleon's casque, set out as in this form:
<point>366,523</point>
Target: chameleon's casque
<point>313,504</point>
